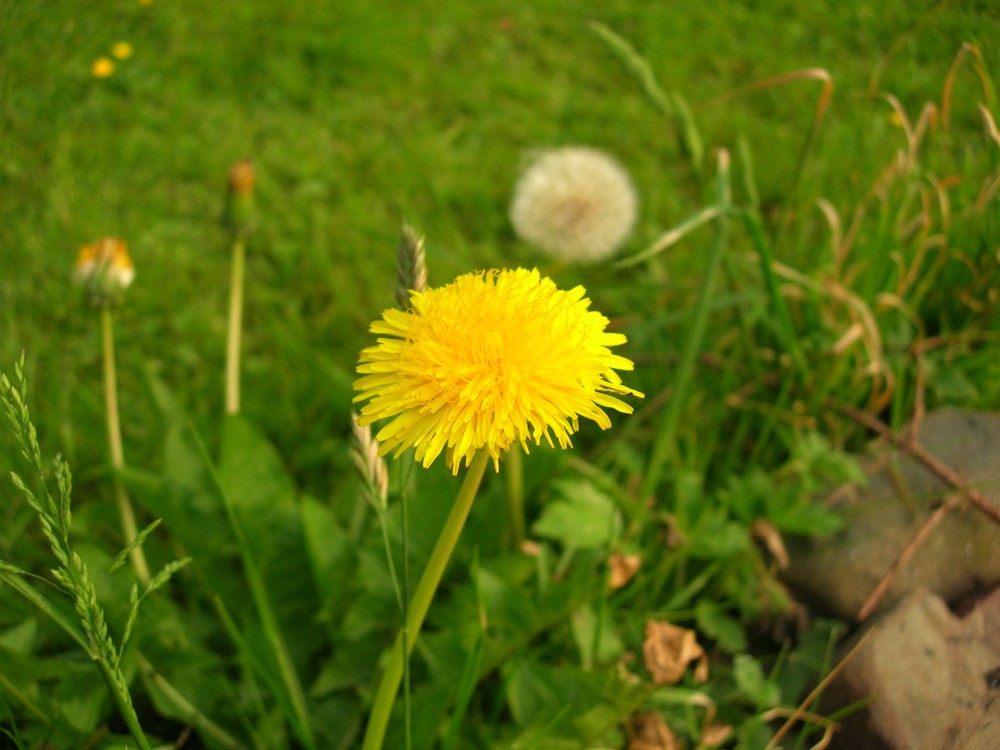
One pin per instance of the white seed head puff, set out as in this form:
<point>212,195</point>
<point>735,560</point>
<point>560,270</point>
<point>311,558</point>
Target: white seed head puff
<point>574,203</point>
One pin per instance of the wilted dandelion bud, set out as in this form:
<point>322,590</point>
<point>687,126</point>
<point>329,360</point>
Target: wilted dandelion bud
<point>574,203</point>
<point>239,213</point>
<point>105,270</point>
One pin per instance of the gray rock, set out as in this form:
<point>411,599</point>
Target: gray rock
<point>961,555</point>
<point>933,678</point>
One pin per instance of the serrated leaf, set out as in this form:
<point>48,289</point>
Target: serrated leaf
<point>716,537</point>
<point>752,683</point>
<point>726,631</point>
<point>251,470</point>
<point>584,626</point>
<point>585,517</point>
<point>21,637</point>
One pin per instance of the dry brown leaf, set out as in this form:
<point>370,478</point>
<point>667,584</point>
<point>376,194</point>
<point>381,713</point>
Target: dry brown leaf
<point>669,650</point>
<point>713,735</point>
<point>623,567</point>
<point>530,548</point>
<point>765,532</point>
<point>647,731</point>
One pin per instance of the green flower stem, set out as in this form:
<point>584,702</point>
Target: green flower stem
<point>235,325</point>
<point>514,474</point>
<point>422,596</point>
<point>125,511</point>
<point>665,446</point>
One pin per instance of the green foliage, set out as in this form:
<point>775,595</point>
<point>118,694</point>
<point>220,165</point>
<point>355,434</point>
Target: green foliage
<point>842,254</point>
<point>583,517</point>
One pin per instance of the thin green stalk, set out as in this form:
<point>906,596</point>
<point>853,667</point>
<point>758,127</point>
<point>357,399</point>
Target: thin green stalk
<point>125,511</point>
<point>665,445</point>
<point>407,717</point>
<point>235,325</point>
<point>123,702</point>
<point>402,589</point>
<point>268,620</point>
<point>785,327</point>
<point>422,596</point>
<point>191,714</point>
<point>514,474</point>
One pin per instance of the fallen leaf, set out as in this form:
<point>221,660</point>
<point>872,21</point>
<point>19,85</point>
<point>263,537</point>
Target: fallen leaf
<point>669,650</point>
<point>648,731</point>
<point>713,735</point>
<point>765,532</point>
<point>623,567</point>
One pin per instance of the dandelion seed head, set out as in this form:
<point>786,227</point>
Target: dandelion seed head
<point>574,203</point>
<point>492,359</point>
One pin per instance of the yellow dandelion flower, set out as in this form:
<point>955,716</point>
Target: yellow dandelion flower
<point>122,50</point>
<point>105,269</point>
<point>492,359</point>
<point>102,67</point>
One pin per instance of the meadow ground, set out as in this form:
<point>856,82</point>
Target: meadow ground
<point>843,251</point>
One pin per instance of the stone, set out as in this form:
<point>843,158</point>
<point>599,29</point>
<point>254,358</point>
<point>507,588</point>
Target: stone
<point>933,678</point>
<point>961,555</point>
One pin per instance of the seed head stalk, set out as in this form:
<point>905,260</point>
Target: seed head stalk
<point>239,217</point>
<point>235,325</point>
<point>422,596</point>
<point>125,511</point>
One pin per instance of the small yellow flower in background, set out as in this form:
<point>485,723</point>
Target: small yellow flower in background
<point>122,50</point>
<point>574,203</point>
<point>492,359</point>
<point>104,269</point>
<point>102,67</point>
<point>145,2</point>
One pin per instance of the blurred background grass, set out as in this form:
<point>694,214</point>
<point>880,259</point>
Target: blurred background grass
<point>358,115</point>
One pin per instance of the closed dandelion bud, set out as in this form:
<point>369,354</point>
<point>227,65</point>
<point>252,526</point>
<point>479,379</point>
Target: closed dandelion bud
<point>239,214</point>
<point>105,270</point>
<point>575,204</point>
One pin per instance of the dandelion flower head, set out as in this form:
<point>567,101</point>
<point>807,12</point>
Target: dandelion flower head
<point>574,203</point>
<point>122,50</point>
<point>102,67</point>
<point>105,269</point>
<point>492,359</point>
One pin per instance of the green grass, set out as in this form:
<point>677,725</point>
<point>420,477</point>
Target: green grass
<point>359,116</point>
